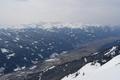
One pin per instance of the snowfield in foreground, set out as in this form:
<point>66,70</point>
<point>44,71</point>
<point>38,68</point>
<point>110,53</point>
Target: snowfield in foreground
<point>94,71</point>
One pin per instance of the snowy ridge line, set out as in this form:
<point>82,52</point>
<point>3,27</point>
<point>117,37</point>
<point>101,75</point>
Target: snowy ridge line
<point>51,26</point>
<point>96,71</point>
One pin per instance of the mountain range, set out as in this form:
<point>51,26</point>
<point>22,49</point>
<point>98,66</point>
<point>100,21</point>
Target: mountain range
<point>35,52</point>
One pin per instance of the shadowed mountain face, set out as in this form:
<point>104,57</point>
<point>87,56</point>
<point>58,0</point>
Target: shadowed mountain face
<point>21,48</point>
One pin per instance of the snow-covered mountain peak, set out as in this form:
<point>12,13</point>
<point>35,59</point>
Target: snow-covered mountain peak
<point>95,71</point>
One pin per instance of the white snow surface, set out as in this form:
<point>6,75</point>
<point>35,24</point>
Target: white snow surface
<point>33,67</point>
<point>108,71</point>
<point>10,55</point>
<point>112,51</point>
<point>4,50</point>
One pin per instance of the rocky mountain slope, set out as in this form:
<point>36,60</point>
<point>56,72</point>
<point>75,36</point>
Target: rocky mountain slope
<point>33,52</point>
<point>60,72</point>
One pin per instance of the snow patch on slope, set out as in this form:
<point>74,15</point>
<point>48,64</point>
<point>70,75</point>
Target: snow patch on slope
<point>112,51</point>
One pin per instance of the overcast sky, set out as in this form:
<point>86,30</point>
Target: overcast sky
<point>82,11</point>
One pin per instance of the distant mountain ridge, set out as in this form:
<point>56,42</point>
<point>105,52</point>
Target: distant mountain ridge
<point>54,25</point>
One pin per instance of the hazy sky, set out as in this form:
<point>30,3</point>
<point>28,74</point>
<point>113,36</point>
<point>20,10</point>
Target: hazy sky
<point>83,11</point>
